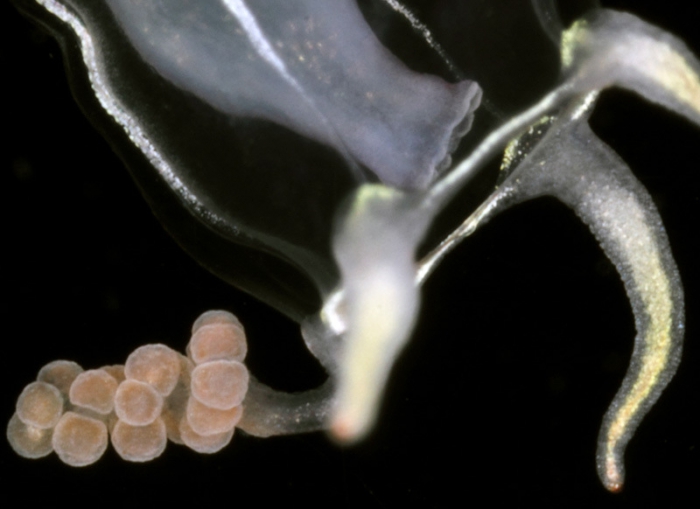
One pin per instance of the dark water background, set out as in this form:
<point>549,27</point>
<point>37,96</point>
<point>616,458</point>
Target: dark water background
<point>523,340</point>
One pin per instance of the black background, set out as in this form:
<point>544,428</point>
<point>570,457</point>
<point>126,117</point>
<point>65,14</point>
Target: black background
<point>523,339</point>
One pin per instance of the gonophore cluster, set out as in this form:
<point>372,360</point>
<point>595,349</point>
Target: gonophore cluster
<point>156,396</point>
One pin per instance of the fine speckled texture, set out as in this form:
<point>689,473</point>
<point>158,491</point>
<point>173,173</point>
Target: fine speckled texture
<point>315,67</point>
<point>467,354</point>
<point>573,165</point>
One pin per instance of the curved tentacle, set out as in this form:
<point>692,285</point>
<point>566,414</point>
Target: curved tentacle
<point>576,167</point>
<point>606,48</point>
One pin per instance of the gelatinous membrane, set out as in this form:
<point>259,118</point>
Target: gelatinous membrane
<point>316,68</point>
<point>231,180</point>
<point>300,200</point>
<point>227,191</point>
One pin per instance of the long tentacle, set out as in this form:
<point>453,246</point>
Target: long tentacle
<point>572,164</point>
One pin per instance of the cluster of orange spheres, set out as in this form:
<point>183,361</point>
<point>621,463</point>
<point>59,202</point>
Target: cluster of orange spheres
<point>158,394</point>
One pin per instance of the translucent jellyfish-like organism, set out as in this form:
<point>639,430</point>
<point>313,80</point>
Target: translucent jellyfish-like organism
<point>334,234</point>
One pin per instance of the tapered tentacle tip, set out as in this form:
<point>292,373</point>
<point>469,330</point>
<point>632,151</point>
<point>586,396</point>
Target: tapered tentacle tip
<point>343,430</point>
<point>614,487</point>
<point>612,476</point>
<point>611,470</point>
<point>349,425</point>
